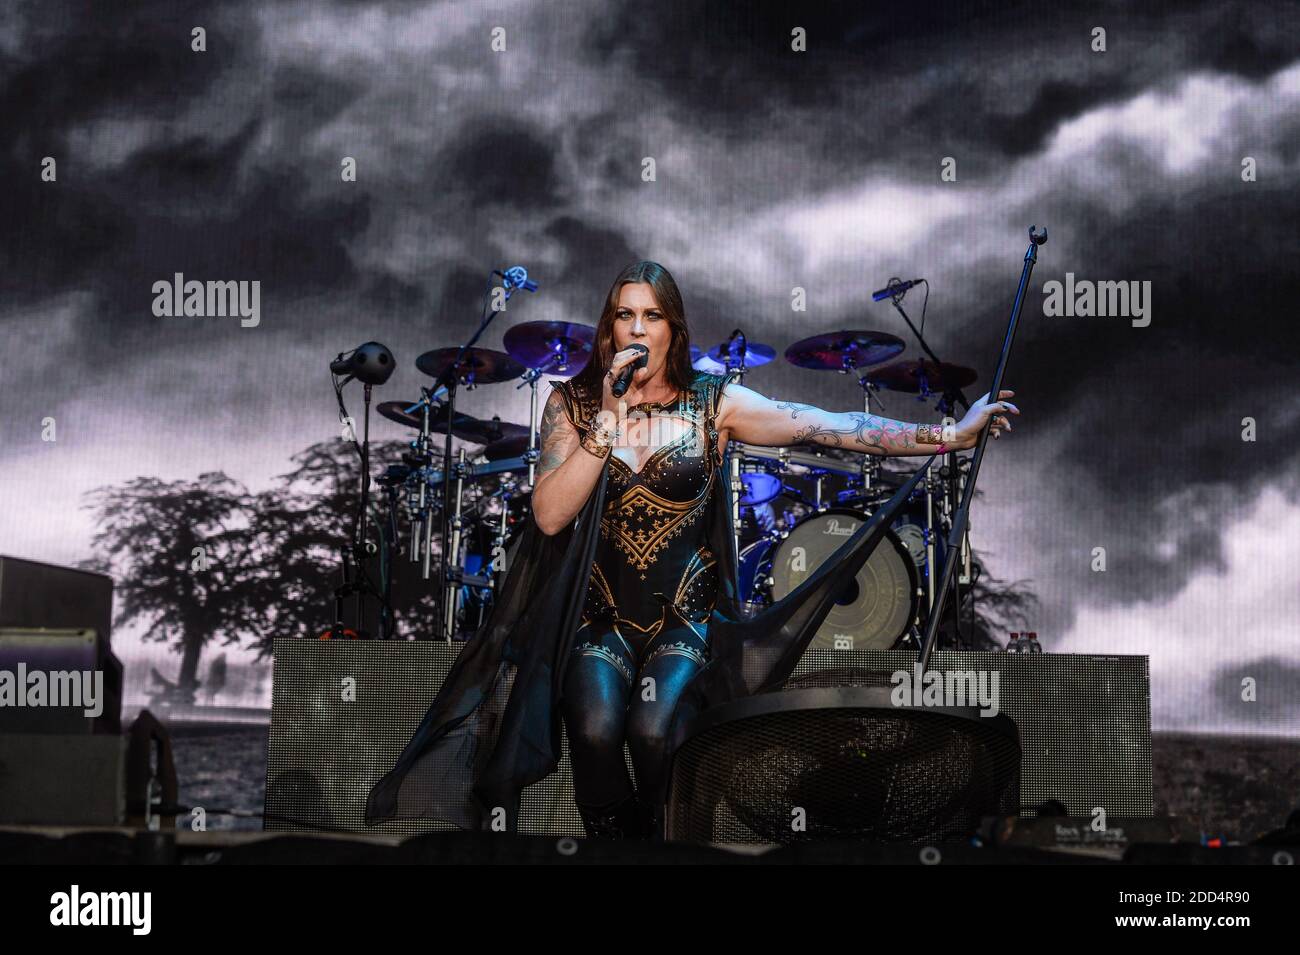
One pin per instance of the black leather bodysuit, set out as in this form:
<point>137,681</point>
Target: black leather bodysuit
<point>653,585</point>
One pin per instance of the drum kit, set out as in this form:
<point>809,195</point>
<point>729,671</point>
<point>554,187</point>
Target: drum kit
<point>792,507</point>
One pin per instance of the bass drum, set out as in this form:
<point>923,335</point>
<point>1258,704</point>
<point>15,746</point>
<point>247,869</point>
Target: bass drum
<point>874,612</point>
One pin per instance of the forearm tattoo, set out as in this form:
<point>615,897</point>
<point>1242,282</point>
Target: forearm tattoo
<point>555,431</point>
<point>858,431</point>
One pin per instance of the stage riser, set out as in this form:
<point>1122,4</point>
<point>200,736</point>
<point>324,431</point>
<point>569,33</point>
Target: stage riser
<point>1084,724</point>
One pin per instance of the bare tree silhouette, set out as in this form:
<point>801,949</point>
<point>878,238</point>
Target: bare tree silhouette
<point>180,553</point>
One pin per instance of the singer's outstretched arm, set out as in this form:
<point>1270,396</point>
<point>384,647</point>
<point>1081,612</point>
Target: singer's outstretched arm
<point>746,416</point>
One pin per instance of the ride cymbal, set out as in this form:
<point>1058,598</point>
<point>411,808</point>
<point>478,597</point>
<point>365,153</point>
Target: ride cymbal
<point>921,375</point>
<point>844,350</point>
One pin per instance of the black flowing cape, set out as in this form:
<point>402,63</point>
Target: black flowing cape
<point>494,726</point>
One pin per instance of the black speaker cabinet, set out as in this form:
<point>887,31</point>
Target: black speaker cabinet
<point>343,710</point>
<point>53,780</point>
<point>63,601</point>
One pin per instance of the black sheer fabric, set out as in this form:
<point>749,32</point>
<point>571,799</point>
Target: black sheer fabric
<point>494,727</point>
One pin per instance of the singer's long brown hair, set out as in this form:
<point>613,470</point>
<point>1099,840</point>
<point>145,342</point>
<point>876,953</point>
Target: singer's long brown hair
<point>677,368</point>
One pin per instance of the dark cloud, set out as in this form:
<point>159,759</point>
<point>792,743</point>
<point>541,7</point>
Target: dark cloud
<point>223,166</point>
<point>1277,692</point>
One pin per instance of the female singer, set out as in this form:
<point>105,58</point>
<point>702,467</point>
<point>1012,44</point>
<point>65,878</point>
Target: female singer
<point>644,633</point>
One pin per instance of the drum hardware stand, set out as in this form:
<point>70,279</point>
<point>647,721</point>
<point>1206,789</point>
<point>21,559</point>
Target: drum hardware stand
<point>450,379</point>
<point>531,377</point>
<point>560,360</point>
<point>1036,239</point>
<point>734,457</point>
<point>451,569</point>
<point>931,550</point>
<point>871,465</point>
<point>422,460</point>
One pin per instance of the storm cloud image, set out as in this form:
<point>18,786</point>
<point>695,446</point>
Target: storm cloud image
<point>368,164</point>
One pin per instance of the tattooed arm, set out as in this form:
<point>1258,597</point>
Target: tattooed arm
<point>747,416</point>
<point>566,474</point>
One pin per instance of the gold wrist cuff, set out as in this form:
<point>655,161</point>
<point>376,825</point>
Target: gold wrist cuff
<point>593,445</point>
<point>929,434</point>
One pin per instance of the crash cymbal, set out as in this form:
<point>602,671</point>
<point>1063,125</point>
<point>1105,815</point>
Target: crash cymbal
<point>844,351</point>
<point>919,375</point>
<point>755,354</point>
<point>700,361</point>
<point>558,348</point>
<point>479,366</point>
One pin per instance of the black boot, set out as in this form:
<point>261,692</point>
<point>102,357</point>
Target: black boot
<point>650,821</point>
<point>618,820</point>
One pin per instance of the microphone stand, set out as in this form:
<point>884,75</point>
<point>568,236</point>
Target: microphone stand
<point>1036,239</point>
<point>949,472</point>
<point>355,579</point>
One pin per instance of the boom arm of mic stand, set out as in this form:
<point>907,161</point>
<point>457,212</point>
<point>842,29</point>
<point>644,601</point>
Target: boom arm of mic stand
<point>959,519</point>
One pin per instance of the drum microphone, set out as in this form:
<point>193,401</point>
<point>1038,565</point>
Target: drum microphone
<point>516,277</point>
<point>894,288</point>
<point>370,364</point>
<point>624,379</point>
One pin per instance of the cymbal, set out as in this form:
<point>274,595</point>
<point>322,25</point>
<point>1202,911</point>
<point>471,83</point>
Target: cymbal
<point>480,366</point>
<point>482,431</point>
<point>755,354</point>
<point>558,348</point>
<point>912,374</point>
<point>464,426</point>
<point>511,446</point>
<point>396,411</point>
<point>844,350</point>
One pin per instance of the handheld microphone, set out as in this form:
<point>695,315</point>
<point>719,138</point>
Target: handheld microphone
<point>624,379</point>
<point>893,289</point>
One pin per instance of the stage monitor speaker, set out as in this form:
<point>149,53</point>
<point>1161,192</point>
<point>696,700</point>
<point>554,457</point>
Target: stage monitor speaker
<point>324,753</point>
<point>43,597</point>
<point>51,780</point>
<point>841,764</point>
<point>1084,724</point>
<point>1084,719</point>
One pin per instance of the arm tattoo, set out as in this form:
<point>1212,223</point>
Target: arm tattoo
<point>864,433</point>
<point>794,408</point>
<point>555,431</point>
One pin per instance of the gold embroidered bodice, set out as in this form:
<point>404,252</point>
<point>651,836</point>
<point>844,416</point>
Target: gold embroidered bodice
<point>653,565</point>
